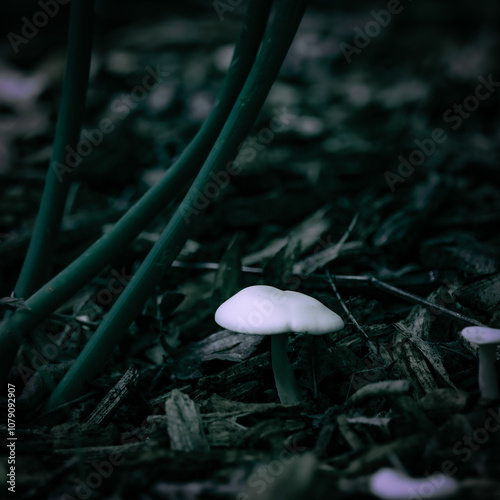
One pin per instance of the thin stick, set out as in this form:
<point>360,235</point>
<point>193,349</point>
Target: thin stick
<point>410,297</point>
<point>371,344</point>
<point>360,280</point>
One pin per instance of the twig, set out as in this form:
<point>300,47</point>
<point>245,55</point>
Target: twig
<point>12,303</point>
<point>371,344</point>
<point>360,280</point>
<point>108,405</point>
<point>410,297</point>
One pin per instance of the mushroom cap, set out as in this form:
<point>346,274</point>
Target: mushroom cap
<point>481,335</point>
<point>391,484</point>
<point>265,310</point>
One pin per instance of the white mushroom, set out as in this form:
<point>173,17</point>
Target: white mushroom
<point>265,310</point>
<point>390,484</point>
<point>486,340</point>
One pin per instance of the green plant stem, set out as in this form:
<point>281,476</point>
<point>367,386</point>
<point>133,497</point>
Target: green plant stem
<point>56,292</point>
<point>37,262</point>
<point>265,70</point>
<point>286,383</point>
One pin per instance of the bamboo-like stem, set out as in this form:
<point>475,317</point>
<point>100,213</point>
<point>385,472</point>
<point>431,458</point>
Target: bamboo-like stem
<point>265,70</point>
<point>38,259</point>
<point>54,293</point>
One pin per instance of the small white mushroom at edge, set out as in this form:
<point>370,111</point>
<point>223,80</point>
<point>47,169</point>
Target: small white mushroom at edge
<point>486,340</point>
<point>390,484</point>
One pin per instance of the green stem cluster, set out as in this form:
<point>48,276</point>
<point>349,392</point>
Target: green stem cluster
<point>55,293</point>
<point>245,88</point>
<point>238,125</point>
<point>69,122</point>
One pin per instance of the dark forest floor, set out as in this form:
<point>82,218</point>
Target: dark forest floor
<point>392,144</point>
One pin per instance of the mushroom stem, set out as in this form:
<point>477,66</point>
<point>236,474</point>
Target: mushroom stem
<point>488,381</point>
<point>286,384</point>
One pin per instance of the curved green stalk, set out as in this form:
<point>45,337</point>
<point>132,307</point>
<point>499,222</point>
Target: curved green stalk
<point>55,293</point>
<point>69,122</point>
<point>161,256</point>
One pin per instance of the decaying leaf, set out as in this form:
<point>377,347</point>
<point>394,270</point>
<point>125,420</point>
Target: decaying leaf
<point>227,279</point>
<point>404,227</point>
<point>278,270</point>
<point>482,296</point>
<point>418,363</point>
<point>224,345</point>
<point>461,252</point>
<point>307,233</point>
<point>232,380</point>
